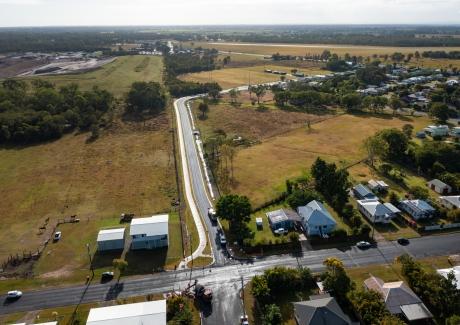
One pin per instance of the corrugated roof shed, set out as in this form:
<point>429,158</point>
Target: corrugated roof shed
<point>150,226</point>
<point>111,234</point>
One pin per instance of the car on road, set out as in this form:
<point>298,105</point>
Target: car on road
<point>107,276</point>
<point>363,244</point>
<point>222,239</point>
<point>212,214</point>
<point>280,231</point>
<point>57,236</point>
<point>403,241</point>
<point>14,294</point>
<point>244,320</point>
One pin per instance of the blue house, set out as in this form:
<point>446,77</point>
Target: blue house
<point>362,192</point>
<point>316,220</point>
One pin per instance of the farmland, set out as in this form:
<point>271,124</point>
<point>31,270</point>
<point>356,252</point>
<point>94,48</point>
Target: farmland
<point>232,77</point>
<point>115,77</point>
<point>262,178</point>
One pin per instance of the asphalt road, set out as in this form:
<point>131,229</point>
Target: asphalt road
<point>200,194</point>
<point>226,280</point>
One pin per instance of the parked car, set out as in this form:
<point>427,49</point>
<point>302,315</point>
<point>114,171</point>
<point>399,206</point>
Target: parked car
<point>106,276</point>
<point>212,214</point>
<point>363,244</point>
<point>244,320</point>
<point>57,235</point>
<point>223,240</point>
<point>403,241</point>
<point>280,231</point>
<point>14,294</point>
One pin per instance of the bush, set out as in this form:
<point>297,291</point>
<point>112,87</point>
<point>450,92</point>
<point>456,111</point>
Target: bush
<point>294,237</point>
<point>272,315</point>
<point>419,192</point>
<point>339,233</point>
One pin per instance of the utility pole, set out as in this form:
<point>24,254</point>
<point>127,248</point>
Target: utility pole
<point>191,255</point>
<point>242,296</point>
<point>88,247</point>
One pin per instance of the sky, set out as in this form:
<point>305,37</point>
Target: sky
<point>216,12</point>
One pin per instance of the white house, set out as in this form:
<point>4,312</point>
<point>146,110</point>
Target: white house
<point>439,186</point>
<point>145,313</point>
<point>418,209</point>
<point>455,132</point>
<point>376,211</point>
<point>149,233</point>
<point>455,270</point>
<point>316,220</point>
<point>450,202</point>
<point>437,130</point>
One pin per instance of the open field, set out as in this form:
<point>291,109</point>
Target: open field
<point>293,152</point>
<point>232,77</point>
<point>313,49</point>
<point>115,77</point>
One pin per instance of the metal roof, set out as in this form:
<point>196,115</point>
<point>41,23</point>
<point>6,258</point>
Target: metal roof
<point>320,311</point>
<point>150,226</point>
<point>314,213</point>
<point>143,313</point>
<point>111,234</point>
<point>453,199</point>
<point>415,312</point>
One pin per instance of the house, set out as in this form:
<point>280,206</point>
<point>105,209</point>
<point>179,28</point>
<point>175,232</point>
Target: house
<point>450,202</point>
<point>454,270</point>
<point>361,192</point>
<point>316,220</point>
<point>320,309</point>
<point>151,232</point>
<point>437,130</point>
<point>399,299</point>
<point>455,132</point>
<point>111,239</point>
<point>279,219</point>
<point>145,313</point>
<point>379,186</point>
<point>439,187</point>
<point>417,209</point>
<point>376,211</point>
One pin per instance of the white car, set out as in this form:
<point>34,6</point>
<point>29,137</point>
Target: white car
<point>363,244</point>
<point>223,240</point>
<point>57,235</point>
<point>244,320</point>
<point>14,294</point>
<point>280,231</point>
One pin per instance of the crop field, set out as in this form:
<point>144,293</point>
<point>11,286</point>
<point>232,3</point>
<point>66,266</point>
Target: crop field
<point>232,77</point>
<point>261,170</point>
<point>117,76</point>
<point>313,49</point>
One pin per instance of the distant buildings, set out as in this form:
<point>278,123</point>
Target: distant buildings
<point>378,186</point>
<point>145,313</point>
<point>316,220</point>
<point>437,130</point>
<point>417,209</point>
<point>399,299</point>
<point>149,233</point>
<point>450,202</point>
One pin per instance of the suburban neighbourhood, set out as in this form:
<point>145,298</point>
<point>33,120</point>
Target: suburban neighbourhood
<point>163,173</point>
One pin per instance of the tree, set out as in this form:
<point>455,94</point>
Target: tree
<point>453,320</point>
<point>394,199</point>
<point>300,197</point>
<point>272,315</point>
<point>234,93</point>
<point>214,92</point>
<point>407,130</point>
<point>375,146</point>
<point>371,75</point>
<point>203,108</point>
<point>121,265</point>
<point>351,101</point>
<point>260,289</point>
<point>237,210</point>
<point>281,98</point>
<point>369,305</point>
<point>178,311</point>
<point>260,91</point>
<point>335,279</point>
<point>396,143</point>
<point>145,96</point>
<point>419,192</point>
<point>440,111</point>
<point>395,103</point>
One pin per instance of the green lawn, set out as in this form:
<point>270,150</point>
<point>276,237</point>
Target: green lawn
<point>116,76</point>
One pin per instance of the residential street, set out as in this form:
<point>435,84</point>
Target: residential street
<point>226,280</point>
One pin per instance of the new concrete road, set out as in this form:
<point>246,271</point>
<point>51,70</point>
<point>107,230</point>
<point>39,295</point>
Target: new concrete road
<point>194,176</point>
<point>226,280</point>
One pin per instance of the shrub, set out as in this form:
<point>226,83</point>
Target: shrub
<point>294,237</point>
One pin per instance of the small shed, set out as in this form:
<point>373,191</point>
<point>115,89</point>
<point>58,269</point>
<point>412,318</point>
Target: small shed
<point>259,223</point>
<point>279,219</point>
<point>439,186</point>
<point>111,239</point>
<point>150,233</point>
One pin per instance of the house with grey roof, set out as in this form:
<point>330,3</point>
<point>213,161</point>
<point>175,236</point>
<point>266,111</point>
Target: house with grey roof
<point>399,299</point>
<point>378,185</point>
<point>316,220</point>
<point>282,218</point>
<point>417,209</point>
<point>439,186</point>
<point>362,192</point>
<point>376,211</point>
<point>320,309</point>
<point>450,202</point>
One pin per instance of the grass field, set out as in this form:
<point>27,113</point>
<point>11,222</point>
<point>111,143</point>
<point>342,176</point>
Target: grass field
<point>232,77</point>
<point>261,170</point>
<point>313,49</point>
<point>117,76</point>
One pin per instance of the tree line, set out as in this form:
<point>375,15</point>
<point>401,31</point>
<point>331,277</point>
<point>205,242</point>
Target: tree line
<point>41,112</point>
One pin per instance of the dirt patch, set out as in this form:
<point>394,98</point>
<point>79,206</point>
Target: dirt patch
<point>61,273</point>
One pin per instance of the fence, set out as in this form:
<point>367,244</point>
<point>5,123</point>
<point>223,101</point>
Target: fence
<point>443,226</point>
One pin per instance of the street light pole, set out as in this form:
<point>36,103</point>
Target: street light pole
<point>90,259</point>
